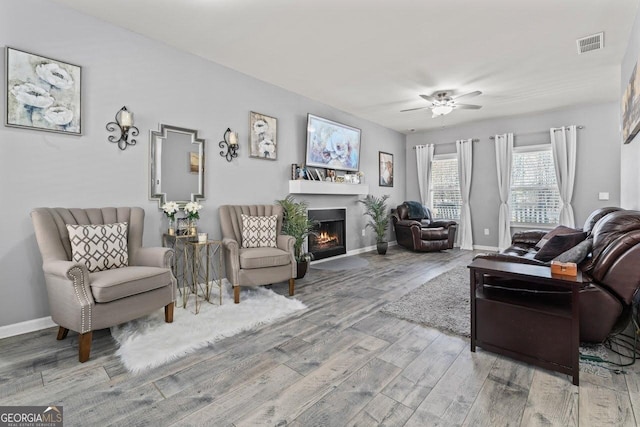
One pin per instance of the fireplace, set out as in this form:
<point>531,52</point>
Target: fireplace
<point>331,232</point>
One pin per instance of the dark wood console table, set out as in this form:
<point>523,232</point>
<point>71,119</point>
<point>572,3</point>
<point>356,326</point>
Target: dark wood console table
<point>526,329</point>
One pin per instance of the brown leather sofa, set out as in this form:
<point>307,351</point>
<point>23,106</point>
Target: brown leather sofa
<point>421,232</point>
<point>611,273</point>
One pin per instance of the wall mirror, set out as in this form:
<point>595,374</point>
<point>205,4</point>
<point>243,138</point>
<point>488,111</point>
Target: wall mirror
<point>176,163</point>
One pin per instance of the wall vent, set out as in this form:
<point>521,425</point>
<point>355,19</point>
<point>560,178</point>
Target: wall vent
<point>589,43</point>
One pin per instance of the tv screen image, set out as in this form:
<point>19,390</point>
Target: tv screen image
<point>332,145</point>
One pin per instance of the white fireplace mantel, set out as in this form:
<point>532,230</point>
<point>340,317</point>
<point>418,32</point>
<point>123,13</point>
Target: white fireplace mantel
<point>302,186</point>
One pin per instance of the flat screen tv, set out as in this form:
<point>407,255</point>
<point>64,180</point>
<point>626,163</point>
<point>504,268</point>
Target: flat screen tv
<point>332,145</point>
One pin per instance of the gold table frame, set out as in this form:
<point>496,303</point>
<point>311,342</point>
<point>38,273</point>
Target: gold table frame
<point>196,266</point>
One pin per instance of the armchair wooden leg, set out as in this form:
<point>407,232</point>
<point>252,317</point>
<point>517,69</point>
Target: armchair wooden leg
<point>292,285</point>
<point>85,346</point>
<point>62,333</point>
<point>236,294</point>
<point>168,313</point>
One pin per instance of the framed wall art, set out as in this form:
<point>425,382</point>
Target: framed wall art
<point>631,107</point>
<point>194,162</point>
<point>42,93</point>
<point>385,161</point>
<point>263,136</point>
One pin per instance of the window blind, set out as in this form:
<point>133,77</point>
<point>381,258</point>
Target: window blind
<point>445,188</point>
<point>534,190</point>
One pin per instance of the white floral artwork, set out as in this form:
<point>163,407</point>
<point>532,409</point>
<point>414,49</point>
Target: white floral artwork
<point>262,141</point>
<point>42,93</point>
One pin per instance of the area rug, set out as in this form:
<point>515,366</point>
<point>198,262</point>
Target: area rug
<point>340,264</point>
<point>444,303</point>
<point>441,303</point>
<point>149,342</point>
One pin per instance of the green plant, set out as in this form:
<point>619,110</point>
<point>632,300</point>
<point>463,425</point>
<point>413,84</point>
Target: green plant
<point>296,223</point>
<point>376,209</point>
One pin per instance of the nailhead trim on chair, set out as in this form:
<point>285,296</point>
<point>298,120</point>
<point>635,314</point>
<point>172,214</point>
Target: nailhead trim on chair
<point>76,272</point>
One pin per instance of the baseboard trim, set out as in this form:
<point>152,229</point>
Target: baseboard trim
<point>26,327</point>
<point>485,248</point>
<point>352,252</point>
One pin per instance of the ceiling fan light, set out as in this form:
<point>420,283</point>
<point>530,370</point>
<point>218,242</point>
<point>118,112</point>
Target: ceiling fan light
<point>442,110</point>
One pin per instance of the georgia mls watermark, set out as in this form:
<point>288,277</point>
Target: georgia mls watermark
<point>30,416</point>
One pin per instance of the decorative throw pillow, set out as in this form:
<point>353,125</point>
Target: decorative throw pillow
<point>561,229</point>
<point>259,231</point>
<point>576,254</point>
<point>99,247</point>
<point>559,244</point>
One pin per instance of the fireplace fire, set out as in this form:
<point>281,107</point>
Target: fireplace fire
<point>330,234</point>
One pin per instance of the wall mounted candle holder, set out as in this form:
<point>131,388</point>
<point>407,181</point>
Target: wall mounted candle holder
<point>229,145</point>
<point>124,126</point>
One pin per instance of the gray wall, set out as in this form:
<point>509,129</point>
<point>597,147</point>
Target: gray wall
<point>159,85</point>
<point>630,153</point>
<point>598,159</point>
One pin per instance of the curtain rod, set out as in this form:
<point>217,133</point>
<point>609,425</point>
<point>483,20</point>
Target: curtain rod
<point>540,131</point>
<point>445,143</point>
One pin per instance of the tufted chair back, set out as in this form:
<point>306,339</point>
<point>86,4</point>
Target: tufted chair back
<point>231,218</point>
<point>53,237</point>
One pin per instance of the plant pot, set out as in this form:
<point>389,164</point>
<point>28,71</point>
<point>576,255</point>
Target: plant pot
<point>382,247</point>
<point>302,269</point>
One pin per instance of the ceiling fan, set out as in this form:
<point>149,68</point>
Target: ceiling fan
<point>444,102</point>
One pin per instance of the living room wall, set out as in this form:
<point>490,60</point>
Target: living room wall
<point>598,160</point>
<point>159,84</point>
<point>630,153</point>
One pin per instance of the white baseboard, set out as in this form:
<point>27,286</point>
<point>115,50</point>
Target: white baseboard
<point>352,252</point>
<point>485,248</point>
<point>25,327</point>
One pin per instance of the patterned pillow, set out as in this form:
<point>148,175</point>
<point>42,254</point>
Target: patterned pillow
<point>99,247</point>
<point>259,231</point>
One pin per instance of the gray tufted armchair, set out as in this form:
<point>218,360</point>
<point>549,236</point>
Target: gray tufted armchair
<point>255,266</point>
<point>84,301</point>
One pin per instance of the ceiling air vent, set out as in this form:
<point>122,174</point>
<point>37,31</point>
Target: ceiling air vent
<point>589,43</point>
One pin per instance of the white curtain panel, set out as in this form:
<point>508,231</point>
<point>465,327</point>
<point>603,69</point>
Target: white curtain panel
<point>504,153</point>
<point>424,157</point>
<point>563,146</point>
<point>464,150</point>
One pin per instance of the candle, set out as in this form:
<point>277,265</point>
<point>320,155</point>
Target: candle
<point>126,119</point>
<point>233,138</point>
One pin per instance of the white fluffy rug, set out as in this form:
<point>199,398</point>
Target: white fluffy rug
<point>149,342</point>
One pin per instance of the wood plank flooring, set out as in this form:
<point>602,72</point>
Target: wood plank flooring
<point>341,362</point>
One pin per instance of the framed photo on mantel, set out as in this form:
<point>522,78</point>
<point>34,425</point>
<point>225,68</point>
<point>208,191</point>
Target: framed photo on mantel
<point>631,107</point>
<point>42,93</point>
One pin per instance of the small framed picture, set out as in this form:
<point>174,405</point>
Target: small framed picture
<point>331,175</point>
<point>42,93</point>
<point>194,163</point>
<point>386,169</point>
<point>263,142</point>
<point>183,226</point>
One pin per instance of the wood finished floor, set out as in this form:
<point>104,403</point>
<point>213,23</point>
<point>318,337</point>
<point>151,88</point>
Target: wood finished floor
<point>341,362</point>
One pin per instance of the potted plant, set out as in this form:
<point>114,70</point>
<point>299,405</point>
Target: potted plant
<point>296,223</point>
<point>376,209</point>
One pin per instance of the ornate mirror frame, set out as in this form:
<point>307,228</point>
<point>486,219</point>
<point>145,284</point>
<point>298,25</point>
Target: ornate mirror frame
<point>156,141</point>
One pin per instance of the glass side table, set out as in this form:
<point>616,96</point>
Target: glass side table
<point>197,267</point>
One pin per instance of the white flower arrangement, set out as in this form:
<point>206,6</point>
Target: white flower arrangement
<point>192,210</point>
<point>170,210</point>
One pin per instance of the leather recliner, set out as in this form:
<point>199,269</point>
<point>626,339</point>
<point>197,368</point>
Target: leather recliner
<point>610,273</point>
<point>423,234</point>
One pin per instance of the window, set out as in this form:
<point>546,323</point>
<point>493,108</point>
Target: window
<point>534,190</point>
<point>445,187</point>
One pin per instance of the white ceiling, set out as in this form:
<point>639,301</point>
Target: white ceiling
<point>372,58</point>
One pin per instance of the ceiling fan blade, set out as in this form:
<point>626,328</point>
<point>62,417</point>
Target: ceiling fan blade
<point>413,109</point>
<point>476,93</point>
<point>467,106</point>
<point>429,98</point>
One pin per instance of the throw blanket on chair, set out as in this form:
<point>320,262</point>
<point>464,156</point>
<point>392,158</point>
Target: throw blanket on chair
<point>416,210</point>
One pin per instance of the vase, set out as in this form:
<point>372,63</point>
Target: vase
<point>172,227</point>
<point>301,269</point>
<point>382,247</point>
<point>193,226</point>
